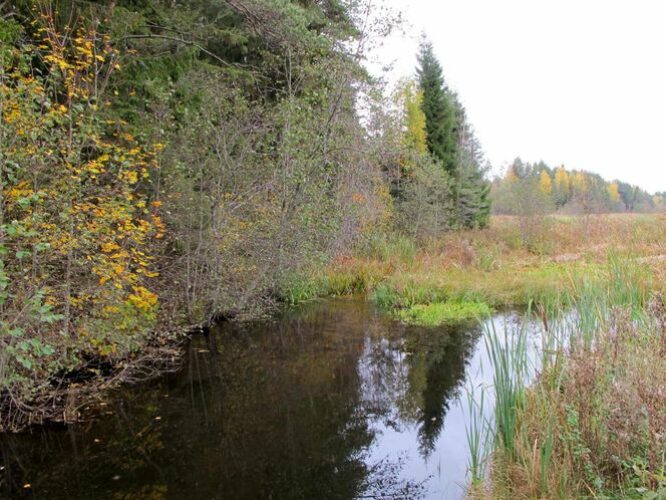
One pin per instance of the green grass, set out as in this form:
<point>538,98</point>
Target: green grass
<point>387,247</point>
<point>439,313</point>
<point>336,281</point>
<point>590,424</point>
<point>478,434</point>
<point>509,358</point>
<point>509,286</point>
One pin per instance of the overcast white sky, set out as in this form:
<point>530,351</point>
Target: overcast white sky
<point>574,82</point>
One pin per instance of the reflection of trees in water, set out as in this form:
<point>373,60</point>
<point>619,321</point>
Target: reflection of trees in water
<point>290,426</point>
<point>274,410</point>
<point>89,461</point>
<point>437,370</point>
<point>382,482</point>
<point>384,372</point>
<point>262,411</point>
<point>410,376</point>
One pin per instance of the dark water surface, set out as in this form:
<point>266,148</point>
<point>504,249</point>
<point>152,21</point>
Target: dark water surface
<point>331,401</point>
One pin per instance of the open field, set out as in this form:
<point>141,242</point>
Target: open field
<point>512,263</point>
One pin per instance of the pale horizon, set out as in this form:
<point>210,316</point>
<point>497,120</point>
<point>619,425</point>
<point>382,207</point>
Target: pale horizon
<point>566,83</point>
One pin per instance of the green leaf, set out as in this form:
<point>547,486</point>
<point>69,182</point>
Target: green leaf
<point>16,332</point>
<point>25,362</point>
<point>24,202</point>
<point>51,318</point>
<point>40,247</point>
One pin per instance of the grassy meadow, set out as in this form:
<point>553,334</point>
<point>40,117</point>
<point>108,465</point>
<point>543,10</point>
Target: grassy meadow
<point>509,264</point>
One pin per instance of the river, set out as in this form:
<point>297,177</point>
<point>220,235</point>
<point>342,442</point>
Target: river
<point>330,400</point>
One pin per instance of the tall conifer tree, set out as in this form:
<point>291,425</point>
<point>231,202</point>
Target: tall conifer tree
<point>438,109</point>
<point>451,141</point>
<point>472,189</point>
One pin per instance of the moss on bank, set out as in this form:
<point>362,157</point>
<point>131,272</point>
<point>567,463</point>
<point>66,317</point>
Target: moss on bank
<point>439,313</point>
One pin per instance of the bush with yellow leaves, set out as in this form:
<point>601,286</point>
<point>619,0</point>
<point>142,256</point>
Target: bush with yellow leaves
<point>76,225</point>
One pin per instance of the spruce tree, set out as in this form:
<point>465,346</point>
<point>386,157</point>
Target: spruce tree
<point>438,108</point>
<point>451,141</point>
<point>472,189</point>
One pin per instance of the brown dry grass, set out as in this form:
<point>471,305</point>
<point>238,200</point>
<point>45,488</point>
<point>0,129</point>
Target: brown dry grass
<point>496,265</point>
<point>603,408</point>
<point>559,238</point>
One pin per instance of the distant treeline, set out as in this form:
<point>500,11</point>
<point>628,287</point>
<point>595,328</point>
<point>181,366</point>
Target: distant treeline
<point>537,188</point>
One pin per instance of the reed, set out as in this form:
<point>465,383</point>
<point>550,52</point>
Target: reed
<point>508,354</point>
<point>478,435</point>
<point>590,424</point>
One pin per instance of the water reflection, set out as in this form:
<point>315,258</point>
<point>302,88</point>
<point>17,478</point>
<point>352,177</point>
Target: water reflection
<point>332,401</point>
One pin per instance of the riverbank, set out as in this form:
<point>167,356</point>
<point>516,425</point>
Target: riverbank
<point>459,276</point>
<point>591,424</point>
<point>61,397</point>
<point>504,265</point>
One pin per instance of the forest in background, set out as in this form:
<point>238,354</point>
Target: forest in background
<point>535,188</point>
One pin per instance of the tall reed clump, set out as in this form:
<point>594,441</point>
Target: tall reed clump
<point>509,357</point>
<point>477,433</point>
<point>591,423</point>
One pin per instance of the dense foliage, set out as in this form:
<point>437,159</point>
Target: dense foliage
<point>166,163</point>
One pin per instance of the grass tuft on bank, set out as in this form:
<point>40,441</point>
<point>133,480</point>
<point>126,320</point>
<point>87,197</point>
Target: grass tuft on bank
<point>439,313</point>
